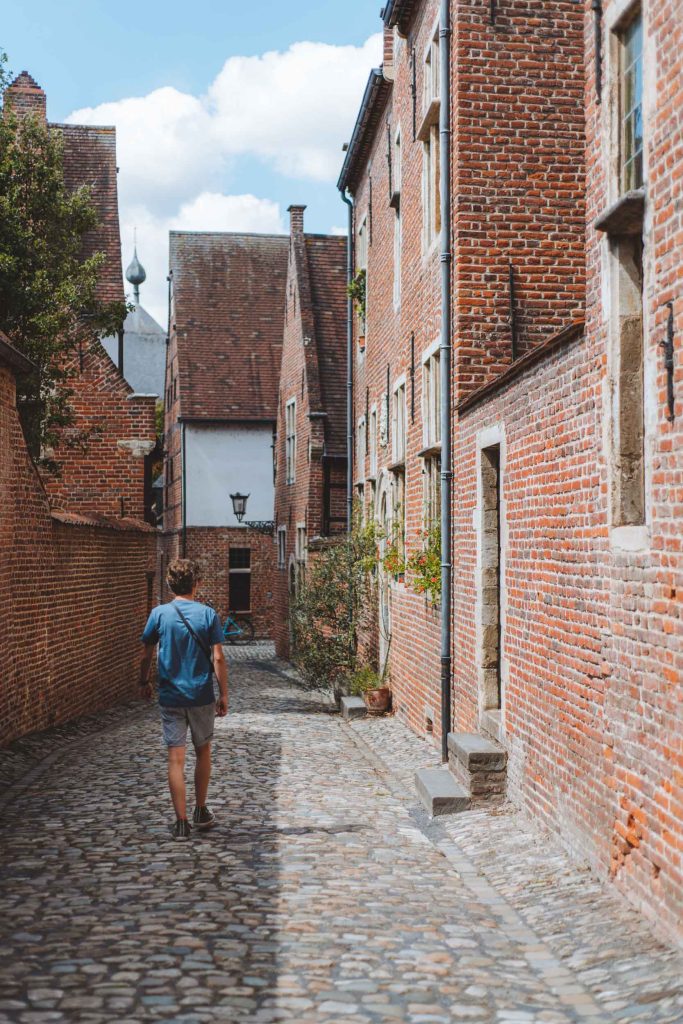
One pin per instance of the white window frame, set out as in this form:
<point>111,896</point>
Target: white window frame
<point>372,445</point>
<point>362,245</point>
<point>431,395</point>
<point>282,547</point>
<point>431,172</point>
<point>431,85</point>
<point>290,441</point>
<point>399,417</point>
<point>361,441</point>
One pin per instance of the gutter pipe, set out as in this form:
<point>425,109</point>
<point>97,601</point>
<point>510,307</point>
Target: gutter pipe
<point>349,364</point>
<point>184,490</point>
<point>445,258</point>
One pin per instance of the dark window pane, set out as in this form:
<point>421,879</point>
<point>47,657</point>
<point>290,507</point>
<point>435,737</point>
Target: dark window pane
<point>240,592</point>
<point>240,558</point>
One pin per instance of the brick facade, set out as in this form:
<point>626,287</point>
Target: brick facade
<point>310,502</point>
<point>211,547</point>
<point>108,475</point>
<point>566,607</point>
<point>76,590</point>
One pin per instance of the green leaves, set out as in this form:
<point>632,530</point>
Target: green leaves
<point>49,306</point>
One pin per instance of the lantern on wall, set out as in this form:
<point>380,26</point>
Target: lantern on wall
<point>239,505</point>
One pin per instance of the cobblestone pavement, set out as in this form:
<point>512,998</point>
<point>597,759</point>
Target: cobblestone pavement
<point>323,895</point>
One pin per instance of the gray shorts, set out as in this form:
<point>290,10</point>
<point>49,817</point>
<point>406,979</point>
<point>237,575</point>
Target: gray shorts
<point>174,722</point>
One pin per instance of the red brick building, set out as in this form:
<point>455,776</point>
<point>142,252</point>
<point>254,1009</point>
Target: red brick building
<point>227,320</point>
<point>77,558</point>
<point>111,475</point>
<point>310,487</point>
<point>566,324</point>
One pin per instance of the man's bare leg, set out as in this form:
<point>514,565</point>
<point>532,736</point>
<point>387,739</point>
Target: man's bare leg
<point>202,774</point>
<point>176,781</point>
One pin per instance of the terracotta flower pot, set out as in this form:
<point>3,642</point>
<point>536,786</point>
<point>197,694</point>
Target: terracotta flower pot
<point>378,701</point>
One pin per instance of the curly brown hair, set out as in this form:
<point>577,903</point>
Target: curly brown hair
<point>182,576</point>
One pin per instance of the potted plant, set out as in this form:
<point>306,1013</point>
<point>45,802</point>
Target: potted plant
<point>368,684</point>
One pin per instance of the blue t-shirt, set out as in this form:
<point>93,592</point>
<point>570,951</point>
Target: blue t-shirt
<point>185,677</point>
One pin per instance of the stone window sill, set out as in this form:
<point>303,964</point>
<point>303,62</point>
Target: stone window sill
<point>625,217</point>
<point>629,538</point>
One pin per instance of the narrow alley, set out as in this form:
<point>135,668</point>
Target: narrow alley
<point>323,894</point>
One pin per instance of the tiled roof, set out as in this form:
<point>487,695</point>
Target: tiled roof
<point>327,274</point>
<point>229,304</point>
<point>90,159</point>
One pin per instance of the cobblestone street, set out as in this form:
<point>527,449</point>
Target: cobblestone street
<point>323,894</point>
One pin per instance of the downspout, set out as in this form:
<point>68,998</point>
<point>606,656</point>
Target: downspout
<point>349,365</point>
<point>120,351</point>
<point>184,490</point>
<point>445,365</point>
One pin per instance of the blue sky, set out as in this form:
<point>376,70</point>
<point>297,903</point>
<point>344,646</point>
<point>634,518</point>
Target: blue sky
<point>204,135</point>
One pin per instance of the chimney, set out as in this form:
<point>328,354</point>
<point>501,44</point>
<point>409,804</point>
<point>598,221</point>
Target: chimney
<point>24,96</point>
<point>296,220</point>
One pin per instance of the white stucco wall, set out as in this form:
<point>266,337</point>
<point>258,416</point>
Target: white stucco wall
<point>223,460</point>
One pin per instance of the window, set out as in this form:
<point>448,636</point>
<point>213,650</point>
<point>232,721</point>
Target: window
<point>631,104</point>
<point>301,553</point>
<point>432,491</point>
<point>398,245</point>
<point>360,449</point>
<point>398,516</point>
<point>398,423</point>
<point>290,441</point>
<point>362,246</point>
<point>430,76</point>
<point>431,184</point>
<point>360,498</point>
<point>431,399</point>
<point>240,579</point>
<point>175,389</point>
<point>373,442</point>
<point>396,168</point>
<point>281,547</point>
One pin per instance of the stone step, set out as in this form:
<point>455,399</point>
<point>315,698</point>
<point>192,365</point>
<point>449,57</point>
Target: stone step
<point>439,792</point>
<point>353,707</point>
<point>476,753</point>
<point>478,765</point>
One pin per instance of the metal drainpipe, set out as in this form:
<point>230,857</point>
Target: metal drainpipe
<point>445,361</point>
<point>349,367</point>
<point>120,352</point>
<point>184,491</point>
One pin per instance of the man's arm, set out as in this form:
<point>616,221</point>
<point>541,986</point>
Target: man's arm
<point>145,671</point>
<point>221,668</point>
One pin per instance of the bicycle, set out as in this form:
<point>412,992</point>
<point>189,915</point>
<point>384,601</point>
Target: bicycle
<point>237,629</point>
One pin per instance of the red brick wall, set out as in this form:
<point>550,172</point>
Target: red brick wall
<point>108,473</point>
<point>415,623</point>
<point>518,177</point>
<point>211,548</point>
<point>300,502</point>
<point>74,597</point>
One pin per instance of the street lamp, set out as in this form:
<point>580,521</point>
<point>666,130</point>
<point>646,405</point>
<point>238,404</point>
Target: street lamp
<point>239,505</point>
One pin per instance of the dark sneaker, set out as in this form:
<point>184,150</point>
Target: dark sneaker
<point>203,817</point>
<point>181,831</point>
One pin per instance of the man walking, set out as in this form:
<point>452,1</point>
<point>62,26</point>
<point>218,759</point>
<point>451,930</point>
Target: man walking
<point>189,636</point>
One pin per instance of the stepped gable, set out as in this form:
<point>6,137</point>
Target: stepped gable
<point>327,275</point>
<point>24,96</point>
<point>228,315</point>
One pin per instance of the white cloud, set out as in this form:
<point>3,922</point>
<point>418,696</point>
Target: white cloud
<point>209,211</point>
<point>290,110</point>
<point>336,230</point>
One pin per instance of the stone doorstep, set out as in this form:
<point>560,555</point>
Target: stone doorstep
<point>439,792</point>
<point>353,707</point>
<point>476,753</point>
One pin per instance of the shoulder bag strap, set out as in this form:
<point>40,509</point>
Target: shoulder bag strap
<point>200,643</point>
